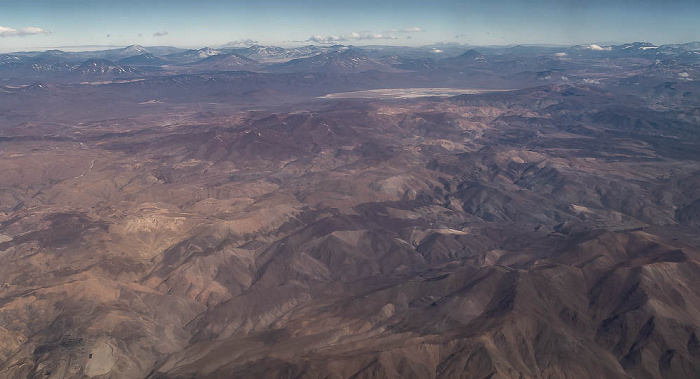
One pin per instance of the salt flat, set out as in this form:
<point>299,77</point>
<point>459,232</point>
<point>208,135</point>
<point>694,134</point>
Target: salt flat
<point>408,93</point>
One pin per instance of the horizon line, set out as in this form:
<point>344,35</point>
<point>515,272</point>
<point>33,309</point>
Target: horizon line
<point>456,44</point>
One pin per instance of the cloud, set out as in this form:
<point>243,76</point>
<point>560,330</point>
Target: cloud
<point>160,34</point>
<point>362,36</point>
<point>413,29</point>
<point>247,42</point>
<point>370,36</point>
<point>562,54</point>
<point>327,40</point>
<point>21,32</point>
<point>436,51</point>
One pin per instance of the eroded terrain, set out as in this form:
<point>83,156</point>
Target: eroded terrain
<point>543,232</point>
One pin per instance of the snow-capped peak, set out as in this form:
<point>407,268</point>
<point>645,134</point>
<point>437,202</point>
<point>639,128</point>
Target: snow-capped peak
<point>595,47</point>
<point>207,52</point>
<point>138,49</point>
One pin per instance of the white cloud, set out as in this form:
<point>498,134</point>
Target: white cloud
<point>595,47</point>
<point>413,29</point>
<point>241,43</point>
<point>160,34</point>
<point>560,54</point>
<point>325,40</point>
<point>436,51</point>
<point>349,37</point>
<point>360,36</point>
<point>21,32</point>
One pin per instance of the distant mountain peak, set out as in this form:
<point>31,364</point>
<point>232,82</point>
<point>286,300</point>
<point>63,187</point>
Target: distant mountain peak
<point>137,48</point>
<point>142,59</point>
<point>54,53</point>
<point>207,52</point>
<point>637,46</point>
<point>596,47</point>
<point>472,54</point>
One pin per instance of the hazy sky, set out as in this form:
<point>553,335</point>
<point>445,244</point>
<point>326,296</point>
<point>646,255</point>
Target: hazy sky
<point>41,24</point>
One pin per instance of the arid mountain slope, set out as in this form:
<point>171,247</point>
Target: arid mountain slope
<point>543,232</point>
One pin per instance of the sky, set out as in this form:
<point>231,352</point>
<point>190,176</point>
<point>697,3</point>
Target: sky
<point>42,24</point>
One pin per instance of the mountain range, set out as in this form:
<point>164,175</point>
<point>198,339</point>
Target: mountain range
<point>19,68</point>
<point>351,212</point>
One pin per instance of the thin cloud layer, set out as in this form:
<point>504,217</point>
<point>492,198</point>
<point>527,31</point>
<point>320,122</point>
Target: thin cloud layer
<point>363,36</point>
<point>349,37</point>
<point>241,43</point>
<point>160,34</point>
<point>21,32</point>
<point>413,29</point>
